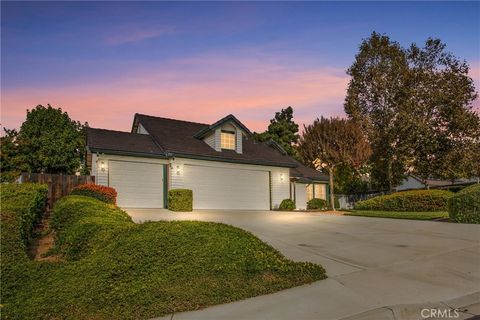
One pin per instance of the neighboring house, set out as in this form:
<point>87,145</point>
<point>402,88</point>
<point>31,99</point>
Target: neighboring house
<point>221,163</point>
<point>412,182</point>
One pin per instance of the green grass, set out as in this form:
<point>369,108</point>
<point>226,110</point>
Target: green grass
<point>115,269</point>
<point>399,214</point>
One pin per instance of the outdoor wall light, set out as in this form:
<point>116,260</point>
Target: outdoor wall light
<point>102,165</point>
<point>281,176</point>
<point>178,170</point>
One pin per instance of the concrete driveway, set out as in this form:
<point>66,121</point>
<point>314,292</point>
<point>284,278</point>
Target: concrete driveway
<point>377,268</point>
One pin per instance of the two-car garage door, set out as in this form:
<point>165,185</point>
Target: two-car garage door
<point>138,184</point>
<point>228,188</point>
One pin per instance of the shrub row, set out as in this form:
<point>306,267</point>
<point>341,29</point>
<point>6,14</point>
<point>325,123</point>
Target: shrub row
<point>415,200</point>
<point>464,206</point>
<point>180,200</point>
<point>26,202</point>
<point>102,193</point>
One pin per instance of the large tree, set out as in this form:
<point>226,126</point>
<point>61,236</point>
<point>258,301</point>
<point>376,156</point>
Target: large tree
<point>283,130</point>
<point>330,143</point>
<point>415,105</point>
<point>9,166</point>
<point>50,141</point>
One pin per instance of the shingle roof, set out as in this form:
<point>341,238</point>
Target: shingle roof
<point>178,137</point>
<point>302,172</point>
<point>102,139</point>
<point>170,137</point>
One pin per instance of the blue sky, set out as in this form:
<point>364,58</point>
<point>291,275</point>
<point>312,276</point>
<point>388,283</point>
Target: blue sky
<point>104,61</point>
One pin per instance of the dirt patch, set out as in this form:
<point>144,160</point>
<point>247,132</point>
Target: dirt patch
<point>43,241</point>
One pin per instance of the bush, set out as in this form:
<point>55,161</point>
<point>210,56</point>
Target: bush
<point>180,200</point>
<point>287,204</point>
<point>26,202</point>
<point>317,204</point>
<point>464,206</point>
<point>102,193</point>
<point>415,200</point>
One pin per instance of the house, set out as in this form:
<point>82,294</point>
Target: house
<point>220,162</point>
<point>412,182</point>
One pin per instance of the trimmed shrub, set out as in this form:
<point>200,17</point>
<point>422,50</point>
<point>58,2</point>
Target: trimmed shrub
<point>287,204</point>
<point>25,202</point>
<point>180,200</point>
<point>414,200</point>
<point>317,204</point>
<point>464,206</point>
<point>102,193</point>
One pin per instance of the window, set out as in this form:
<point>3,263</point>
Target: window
<point>227,140</point>
<point>320,191</point>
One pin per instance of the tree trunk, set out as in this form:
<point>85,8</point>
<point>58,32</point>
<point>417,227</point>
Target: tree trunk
<point>389,176</point>
<point>332,196</point>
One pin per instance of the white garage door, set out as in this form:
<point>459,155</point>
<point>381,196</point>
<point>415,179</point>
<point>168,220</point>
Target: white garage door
<point>138,184</point>
<point>226,188</point>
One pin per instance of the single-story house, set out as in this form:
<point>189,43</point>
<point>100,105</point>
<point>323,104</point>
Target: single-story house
<point>412,182</point>
<point>221,163</point>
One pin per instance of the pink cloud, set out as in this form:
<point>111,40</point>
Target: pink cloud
<point>203,90</point>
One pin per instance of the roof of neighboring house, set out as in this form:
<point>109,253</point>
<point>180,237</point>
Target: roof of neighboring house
<point>435,183</point>
<point>170,137</point>
<point>119,141</point>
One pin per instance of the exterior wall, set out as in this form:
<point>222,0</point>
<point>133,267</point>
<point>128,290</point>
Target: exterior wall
<point>141,129</point>
<point>300,196</point>
<point>218,145</point>
<point>210,140</point>
<point>100,165</point>
<point>410,183</point>
<point>279,176</point>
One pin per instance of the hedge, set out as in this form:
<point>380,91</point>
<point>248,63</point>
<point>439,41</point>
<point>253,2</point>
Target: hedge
<point>287,204</point>
<point>180,200</point>
<point>102,193</point>
<point>316,204</point>
<point>26,202</point>
<point>464,206</point>
<point>414,200</point>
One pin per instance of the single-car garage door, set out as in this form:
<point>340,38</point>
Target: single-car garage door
<point>227,188</point>
<point>138,184</point>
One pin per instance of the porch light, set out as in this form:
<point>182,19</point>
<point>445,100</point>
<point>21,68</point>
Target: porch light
<point>102,165</point>
<point>178,170</point>
<point>281,176</point>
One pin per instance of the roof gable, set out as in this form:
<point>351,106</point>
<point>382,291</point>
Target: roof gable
<point>230,118</point>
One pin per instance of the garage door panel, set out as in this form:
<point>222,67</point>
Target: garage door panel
<point>227,188</point>
<point>138,184</point>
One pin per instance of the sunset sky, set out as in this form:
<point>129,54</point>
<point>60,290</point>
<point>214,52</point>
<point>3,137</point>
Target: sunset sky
<point>104,61</point>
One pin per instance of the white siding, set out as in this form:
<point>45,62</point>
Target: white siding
<point>210,140</point>
<point>280,185</point>
<point>301,196</point>
<point>141,129</point>
<point>280,189</point>
<point>218,134</point>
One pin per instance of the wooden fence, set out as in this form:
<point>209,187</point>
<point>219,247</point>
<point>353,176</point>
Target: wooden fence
<point>59,185</point>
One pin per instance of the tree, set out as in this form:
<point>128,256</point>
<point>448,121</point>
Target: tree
<point>330,143</point>
<point>8,156</point>
<point>415,106</point>
<point>50,142</point>
<point>283,130</point>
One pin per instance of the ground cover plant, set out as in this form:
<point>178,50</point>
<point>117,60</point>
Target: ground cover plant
<point>464,206</point>
<point>115,269</point>
<point>413,215</point>
<point>415,200</point>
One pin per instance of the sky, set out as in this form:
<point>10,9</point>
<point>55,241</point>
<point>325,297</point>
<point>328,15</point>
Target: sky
<point>102,62</point>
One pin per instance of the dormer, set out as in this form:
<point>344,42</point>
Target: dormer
<point>225,134</point>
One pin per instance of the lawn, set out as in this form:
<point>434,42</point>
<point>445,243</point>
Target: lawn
<point>413,215</point>
<point>112,268</point>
